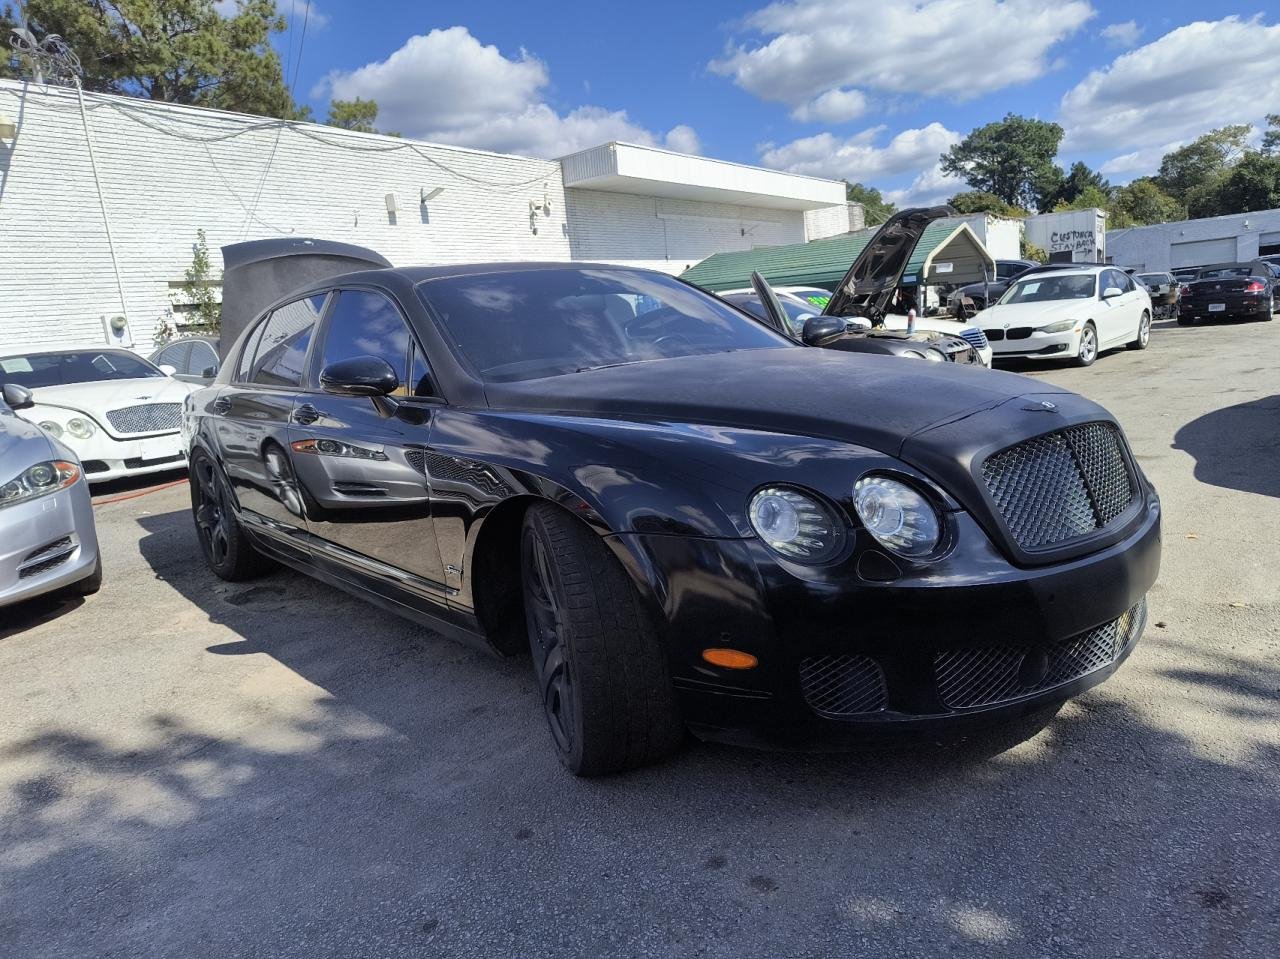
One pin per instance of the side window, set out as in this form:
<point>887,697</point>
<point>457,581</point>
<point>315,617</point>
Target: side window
<point>246,357</point>
<point>363,323</point>
<point>281,356</point>
<point>203,357</point>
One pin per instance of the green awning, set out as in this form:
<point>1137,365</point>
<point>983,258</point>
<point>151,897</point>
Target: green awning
<point>823,263</point>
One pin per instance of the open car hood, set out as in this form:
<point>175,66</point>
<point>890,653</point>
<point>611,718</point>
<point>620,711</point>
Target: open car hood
<point>869,285</point>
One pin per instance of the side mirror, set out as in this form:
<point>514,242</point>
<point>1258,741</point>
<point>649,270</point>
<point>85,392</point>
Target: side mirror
<point>360,376</point>
<point>822,329</point>
<point>1111,292</point>
<point>210,372</point>
<point>18,397</point>
<point>168,370</point>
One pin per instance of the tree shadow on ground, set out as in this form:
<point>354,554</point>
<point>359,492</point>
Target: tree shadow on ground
<point>413,808</point>
<point>1223,459</point>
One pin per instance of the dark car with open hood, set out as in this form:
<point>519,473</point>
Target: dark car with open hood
<point>690,521</point>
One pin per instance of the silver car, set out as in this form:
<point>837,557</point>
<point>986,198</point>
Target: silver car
<point>47,537</point>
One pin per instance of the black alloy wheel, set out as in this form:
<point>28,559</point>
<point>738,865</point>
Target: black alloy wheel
<point>601,669</point>
<point>225,545</point>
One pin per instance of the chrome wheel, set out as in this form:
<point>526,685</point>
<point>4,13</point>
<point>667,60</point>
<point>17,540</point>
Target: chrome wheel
<point>1088,351</point>
<point>547,642</point>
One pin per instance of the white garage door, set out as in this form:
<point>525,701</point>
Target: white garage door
<point>1202,252</point>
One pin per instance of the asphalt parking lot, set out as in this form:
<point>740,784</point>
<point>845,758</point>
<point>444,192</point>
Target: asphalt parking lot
<point>193,768</point>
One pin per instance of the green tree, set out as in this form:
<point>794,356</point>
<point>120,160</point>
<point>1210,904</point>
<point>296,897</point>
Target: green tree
<point>1012,158</point>
<point>1079,179</point>
<point>354,114</point>
<point>1203,161</point>
<point>1142,202</point>
<point>1089,197</point>
<point>1271,138</point>
<point>198,289</point>
<point>178,51</point>
<point>980,201</point>
<point>878,208</point>
<point>1252,184</point>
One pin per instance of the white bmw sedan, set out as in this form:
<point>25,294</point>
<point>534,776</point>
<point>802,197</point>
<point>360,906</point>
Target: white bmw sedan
<point>1068,314</point>
<point>120,414</point>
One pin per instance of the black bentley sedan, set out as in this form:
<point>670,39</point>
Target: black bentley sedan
<point>690,521</point>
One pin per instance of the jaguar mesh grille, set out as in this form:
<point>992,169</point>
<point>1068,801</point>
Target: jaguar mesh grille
<point>1060,486</point>
<point>147,418</point>
<point>842,685</point>
<point>983,676</point>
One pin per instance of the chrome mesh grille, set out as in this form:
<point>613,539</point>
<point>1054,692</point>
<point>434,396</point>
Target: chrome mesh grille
<point>983,676</point>
<point>147,418</point>
<point>1060,486</point>
<point>977,339</point>
<point>843,685</point>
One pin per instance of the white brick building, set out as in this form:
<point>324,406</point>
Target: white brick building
<point>1238,237</point>
<point>79,245</point>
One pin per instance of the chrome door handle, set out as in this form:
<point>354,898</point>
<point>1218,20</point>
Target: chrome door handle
<point>306,413</point>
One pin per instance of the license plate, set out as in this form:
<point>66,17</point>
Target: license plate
<point>159,448</point>
<point>1217,307</point>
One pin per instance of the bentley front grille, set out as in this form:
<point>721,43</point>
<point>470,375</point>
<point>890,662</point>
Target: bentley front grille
<point>977,339</point>
<point>147,418</point>
<point>987,675</point>
<point>1060,486</point>
<point>842,686</point>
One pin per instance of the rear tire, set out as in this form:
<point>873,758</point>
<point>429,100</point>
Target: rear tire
<point>226,547</point>
<point>1144,333</point>
<point>1186,321</point>
<point>602,674</point>
<point>1087,352</point>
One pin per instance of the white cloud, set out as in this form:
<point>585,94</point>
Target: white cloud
<point>815,47</point>
<point>295,11</point>
<point>930,188</point>
<point>834,106</point>
<point>1191,80</point>
<point>1121,34</point>
<point>1138,161</point>
<point>448,87</point>
<point>857,158</point>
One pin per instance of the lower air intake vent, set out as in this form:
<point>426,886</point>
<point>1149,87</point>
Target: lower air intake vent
<point>986,675</point>
<point>842,685</point>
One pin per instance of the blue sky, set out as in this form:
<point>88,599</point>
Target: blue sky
<point>870,90</point>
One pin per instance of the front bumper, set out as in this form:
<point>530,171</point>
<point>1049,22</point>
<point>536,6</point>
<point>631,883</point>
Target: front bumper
<point>1037,345</point>
<point>46,543</point>
<point>106,458</point>
<point>1018,639</point>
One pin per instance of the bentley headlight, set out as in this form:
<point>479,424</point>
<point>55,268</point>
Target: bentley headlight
<point>1060,327</point>
<point>52,428</point>
<point>38,480</point>
<point>897,516</point>
<point>796,525</point>
<point>80,427</point>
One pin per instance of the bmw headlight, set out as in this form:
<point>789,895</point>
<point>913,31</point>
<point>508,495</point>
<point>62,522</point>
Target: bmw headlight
<point>796,525</point>
<point>897,516</point>
<point>38,480</point>
<point>81,427</point>
<point>52,428</point>
<point>1060,327</point>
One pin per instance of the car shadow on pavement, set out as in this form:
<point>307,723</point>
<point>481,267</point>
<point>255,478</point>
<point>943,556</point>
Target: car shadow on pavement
<point>1223,458</point>
<point>399,798</point>
<point>30,613</point>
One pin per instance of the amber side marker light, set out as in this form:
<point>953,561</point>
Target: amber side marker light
<point>730,658</point>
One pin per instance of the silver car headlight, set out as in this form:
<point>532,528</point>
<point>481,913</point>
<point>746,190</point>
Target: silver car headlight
<point>1060,327</point>
<point>81,427</point>
<point>897,516</point>
<point>39,480</point>
<point>796,525</point>
<point>52,428</point>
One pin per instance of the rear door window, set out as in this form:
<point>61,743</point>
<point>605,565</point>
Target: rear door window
<point>281,355</point>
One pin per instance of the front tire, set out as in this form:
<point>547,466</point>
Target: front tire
<point>226,547</point>
<point>91,583</point>
<point>1087,352</point>
<point>1144,333</point>
<point>602,675</point>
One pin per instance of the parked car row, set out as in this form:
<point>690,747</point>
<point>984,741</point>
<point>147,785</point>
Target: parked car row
<point>1230,290</point>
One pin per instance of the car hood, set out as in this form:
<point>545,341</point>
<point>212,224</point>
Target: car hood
<point>868,400</point>
<point>95,398</point>
<point>934,324</point>
<point>1033,314</point>
<point>21,445</point>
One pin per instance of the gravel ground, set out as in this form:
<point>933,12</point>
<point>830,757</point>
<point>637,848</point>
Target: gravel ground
<point>190,768</point>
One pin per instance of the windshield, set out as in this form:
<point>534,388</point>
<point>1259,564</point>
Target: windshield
<point>526,324</point>
<point>1226,272</point>
<point>1036,289</point>
<point>795,311</point>
<point>34,370</point>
